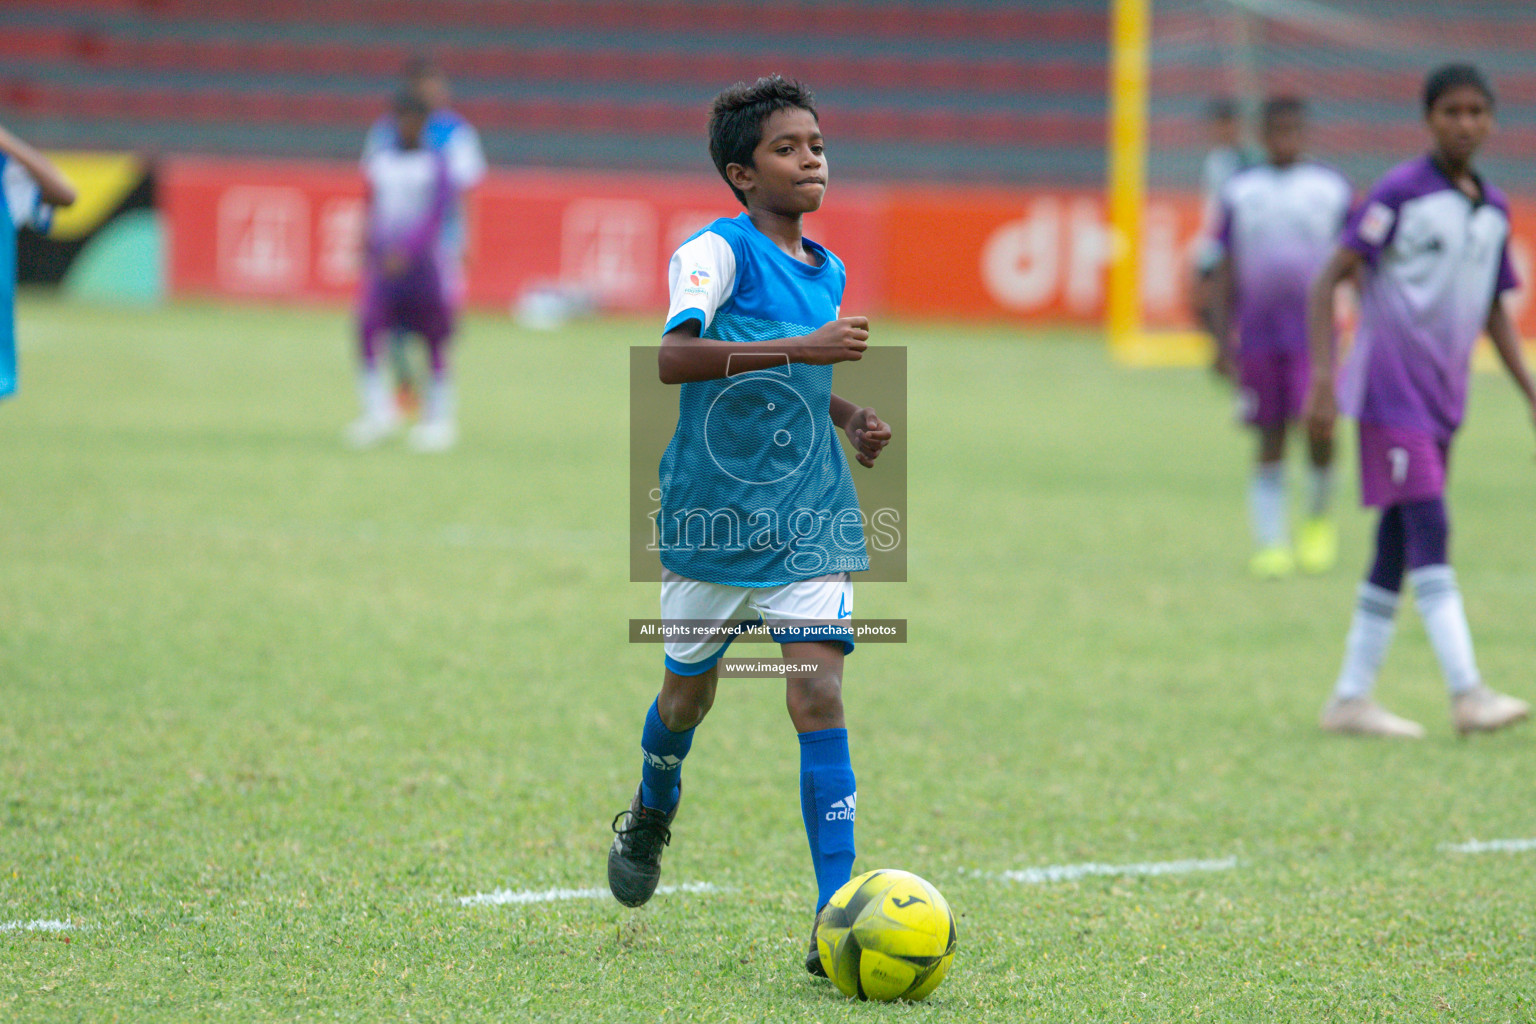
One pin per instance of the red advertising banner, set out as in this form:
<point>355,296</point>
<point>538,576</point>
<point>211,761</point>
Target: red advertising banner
<point>279,230</point>
<point>266,230</point>
<point>293,231</point>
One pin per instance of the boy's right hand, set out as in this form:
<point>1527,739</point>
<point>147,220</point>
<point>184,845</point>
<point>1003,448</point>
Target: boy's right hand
<point>838,341</point>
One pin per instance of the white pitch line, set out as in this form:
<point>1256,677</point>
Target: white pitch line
<point>1070,872</point>
<point>1491,846</point>
<point>501,896</point>
<point>36,926</point>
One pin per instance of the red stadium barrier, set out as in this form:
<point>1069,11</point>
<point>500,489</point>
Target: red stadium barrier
<point>290,231</point>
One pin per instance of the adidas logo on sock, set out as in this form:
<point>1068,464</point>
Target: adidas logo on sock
<point>843,810</point>
<point>663,762</point>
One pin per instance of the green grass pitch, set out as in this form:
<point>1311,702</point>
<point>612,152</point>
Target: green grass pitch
<point>268,707</point>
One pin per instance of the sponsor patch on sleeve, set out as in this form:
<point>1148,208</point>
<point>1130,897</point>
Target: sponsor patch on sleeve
<point>1376,222</point>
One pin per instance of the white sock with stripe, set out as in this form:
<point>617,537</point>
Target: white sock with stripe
<point>1370,634</point>
<point>374,394</point>
<point>441,404</point>
<point>1319,490</point>
<point>1445,620</point>
<point>1266,504</point>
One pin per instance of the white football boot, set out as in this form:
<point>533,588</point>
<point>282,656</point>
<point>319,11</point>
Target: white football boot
<point>1483,710</point>
<point>1361,716</point>
<point>433,436</point>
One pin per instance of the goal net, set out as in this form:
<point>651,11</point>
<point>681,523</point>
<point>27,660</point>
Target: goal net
<point>1359,66</point>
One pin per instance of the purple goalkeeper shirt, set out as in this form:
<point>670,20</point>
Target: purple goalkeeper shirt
<point>1435,259</point>
<point>410,192</point>
<point>1279,225</point>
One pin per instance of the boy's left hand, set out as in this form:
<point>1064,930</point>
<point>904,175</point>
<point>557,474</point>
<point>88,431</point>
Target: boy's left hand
<point>869,433</point>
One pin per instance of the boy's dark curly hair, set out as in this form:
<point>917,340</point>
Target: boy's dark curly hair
<point>736,119</point>
<point>1277,107</point>
<point>1452,76</point>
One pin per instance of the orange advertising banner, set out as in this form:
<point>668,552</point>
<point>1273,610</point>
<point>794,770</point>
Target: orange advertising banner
<point>1040,255</point>
<point>291,231</point>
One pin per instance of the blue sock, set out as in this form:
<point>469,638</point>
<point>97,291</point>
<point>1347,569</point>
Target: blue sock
<point>827,801</point>
<point>661,771</point>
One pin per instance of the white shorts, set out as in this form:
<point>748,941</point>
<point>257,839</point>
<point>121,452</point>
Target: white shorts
<point>825,598</point>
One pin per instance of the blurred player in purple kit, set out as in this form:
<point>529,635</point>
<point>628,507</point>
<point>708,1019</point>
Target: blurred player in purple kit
<point>410,193</point>
<point>1225,158</point>
<point>1431,246</point>
<point>1277,224</point>
<point>448,132</point>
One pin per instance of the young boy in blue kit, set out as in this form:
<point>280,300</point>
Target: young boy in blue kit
<point>759,518</point>
<point>30,187</point>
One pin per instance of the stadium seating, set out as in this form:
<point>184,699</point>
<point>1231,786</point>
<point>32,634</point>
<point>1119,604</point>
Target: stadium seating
<point>972,90</point>
<point>976,90</point>
<point>1359,63</point>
